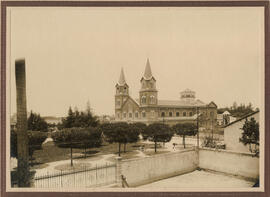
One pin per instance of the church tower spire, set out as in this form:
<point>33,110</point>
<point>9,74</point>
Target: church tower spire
<point>147,72</point>
<point>122,80</point>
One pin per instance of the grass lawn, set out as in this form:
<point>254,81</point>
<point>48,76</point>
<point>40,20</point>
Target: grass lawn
<point>152,152</point>
<point>50,152</point>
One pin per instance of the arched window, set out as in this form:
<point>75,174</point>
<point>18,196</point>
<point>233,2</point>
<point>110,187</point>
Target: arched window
<point>143,100</point>
<point>177,114</point>
<point>190,113</point>
<point>184,113</point>
<point>118,102</point>
<point>163,114</point>
<point>130,115</point>
<point>124,115</point>
<point>136,115</point>
<point>143,114</point>
<point>170,114</point>
<point>152,114</point>
<point>152,99</point>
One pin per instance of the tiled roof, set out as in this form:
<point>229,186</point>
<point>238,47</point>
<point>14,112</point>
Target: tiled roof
<point>180,103</point>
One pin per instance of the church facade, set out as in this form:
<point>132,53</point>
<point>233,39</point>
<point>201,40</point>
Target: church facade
<point>148,108</point>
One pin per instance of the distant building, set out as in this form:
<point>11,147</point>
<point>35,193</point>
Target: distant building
<point>52,119</point>
<point>148,108</point>
<point>105,119</point>
<point>225,118</point>
<point>233,131</point>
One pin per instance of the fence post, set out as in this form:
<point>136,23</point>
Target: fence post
<point>118,172</point>
<point>96,175</point>
<point>61,179</point>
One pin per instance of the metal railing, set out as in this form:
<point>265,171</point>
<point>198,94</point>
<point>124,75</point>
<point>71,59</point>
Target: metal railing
<point>81,178</point>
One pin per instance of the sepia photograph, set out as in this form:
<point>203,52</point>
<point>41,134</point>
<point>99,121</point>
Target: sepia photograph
<point>135,98</point>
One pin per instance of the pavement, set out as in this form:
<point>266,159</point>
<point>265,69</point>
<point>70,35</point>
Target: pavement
<point>200,179</point>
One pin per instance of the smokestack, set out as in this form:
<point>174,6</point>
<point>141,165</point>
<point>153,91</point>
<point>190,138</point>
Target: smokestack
<point>22,138</point>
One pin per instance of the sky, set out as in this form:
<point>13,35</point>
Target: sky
<point>75,54</point>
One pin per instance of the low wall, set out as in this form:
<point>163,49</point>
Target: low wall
<point>235,163</point>
<point>149,169</point>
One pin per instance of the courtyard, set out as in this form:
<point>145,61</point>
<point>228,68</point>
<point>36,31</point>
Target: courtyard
<point>200,179</point>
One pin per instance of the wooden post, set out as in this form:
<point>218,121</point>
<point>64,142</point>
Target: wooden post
<point>22,138</point>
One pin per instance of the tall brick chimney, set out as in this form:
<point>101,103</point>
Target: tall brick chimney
<point>22,138</point>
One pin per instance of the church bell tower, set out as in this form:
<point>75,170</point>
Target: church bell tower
<point>122,92</point>
<point>148,92</point>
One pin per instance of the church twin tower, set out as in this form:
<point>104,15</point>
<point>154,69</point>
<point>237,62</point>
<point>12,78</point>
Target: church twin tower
<point>148,91</point>
<point>149,109</point>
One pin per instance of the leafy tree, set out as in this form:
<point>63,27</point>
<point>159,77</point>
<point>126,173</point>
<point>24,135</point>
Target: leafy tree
<point>141,128</point>
<point>79,119</point>
<point>116,133</point>
<point>158,132</point>
<point>36,123</point>
<point>35,138</point>
<point>184,129</point>
<point>251,135</point>
<point>77,138</point>
<point>35,141</point>
<point>132,134</point>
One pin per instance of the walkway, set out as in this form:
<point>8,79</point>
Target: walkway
<point>200,179</point>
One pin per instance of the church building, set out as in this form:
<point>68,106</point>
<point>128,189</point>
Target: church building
<point>148,108</point>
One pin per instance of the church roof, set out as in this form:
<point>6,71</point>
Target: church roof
<point>147,72</point>
<point>122,80</point>
<point>180,103</point>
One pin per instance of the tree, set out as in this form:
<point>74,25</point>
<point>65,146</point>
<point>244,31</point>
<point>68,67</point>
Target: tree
<point>132,134</point>
<point>36,123</point>
<point>115,133</point>
<point>79,119</point>
<point>183,129</point>
<point>158,132</point>
<point>35,139</point>
<point>251,135</point>
<point>68,122</point>
<point>141,128</point>
<point>77,138</point>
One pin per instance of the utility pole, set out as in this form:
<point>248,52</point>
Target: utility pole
<point>23,173</point>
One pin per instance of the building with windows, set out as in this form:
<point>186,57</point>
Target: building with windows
<point>225,118</point>
<point>148,108</point>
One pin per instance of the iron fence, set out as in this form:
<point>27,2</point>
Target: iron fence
<point>82,178</point>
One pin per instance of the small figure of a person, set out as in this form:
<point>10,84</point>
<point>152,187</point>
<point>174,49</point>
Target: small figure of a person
<point>142,148</point>
<point>174,146</point>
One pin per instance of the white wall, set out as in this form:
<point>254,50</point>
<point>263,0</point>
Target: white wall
<point>232,133</point>
<point>235,163</point>
<point>149,169</point>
